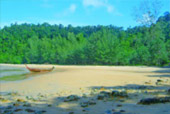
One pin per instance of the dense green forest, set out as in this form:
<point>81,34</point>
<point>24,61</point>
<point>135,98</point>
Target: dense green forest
<point>92,45</point>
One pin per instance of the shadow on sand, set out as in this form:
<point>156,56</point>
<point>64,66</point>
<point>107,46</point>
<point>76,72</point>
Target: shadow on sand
<point>81,104</point>
<point>165,72</point>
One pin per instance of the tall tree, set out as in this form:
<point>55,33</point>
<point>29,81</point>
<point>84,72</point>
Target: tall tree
<point>147,12</point>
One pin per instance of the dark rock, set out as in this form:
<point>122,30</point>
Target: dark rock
<point>17,110</point>
<point>136,95</point>
<point>147,82</point>
<point>29,110</point>
<point>159,80</point>
<point>100,97</point>
<point>40,112</point>
<point>43,111</point>
<point>71,112</point>
<point>2,98</point>
<point>108,112</point>
<point>92,102</point>
<point>71,98</point>
<point>49,105</point>
<point>117,113</point>
<point>105,93</point>
<point>119,94</point>
<point>122,100</point>
<point>142,87</point>
<point>86,109</point>
<point>8,111</point>
<point>148,101</point>
<point>1,111</point>
<point>84,96</point>
<point>9,107</point>
<point>122,111</point>
<point>27,105</point>
<point>20,100</point>
<point>84,104</point>
<point>168,91</point>
<point>119,105</point>
<point>16,104</point>
<point>13,94</point>
<point>113,110</point>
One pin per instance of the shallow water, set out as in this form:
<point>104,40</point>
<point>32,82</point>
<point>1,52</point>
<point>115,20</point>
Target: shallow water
<point>12,71</point>
<point>8,73</point>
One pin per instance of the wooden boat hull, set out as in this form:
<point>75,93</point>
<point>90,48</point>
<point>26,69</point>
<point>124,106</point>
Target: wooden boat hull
<point>39,70</point>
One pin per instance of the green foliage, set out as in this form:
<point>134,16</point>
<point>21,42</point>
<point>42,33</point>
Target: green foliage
<point>168,48</point>
<point>102,45</point>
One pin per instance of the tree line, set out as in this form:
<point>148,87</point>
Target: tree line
<point>86,45</point>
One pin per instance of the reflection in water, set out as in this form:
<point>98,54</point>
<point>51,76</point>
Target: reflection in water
<point>10,70</point>
<point>31,74</point>
<point>21,74</point>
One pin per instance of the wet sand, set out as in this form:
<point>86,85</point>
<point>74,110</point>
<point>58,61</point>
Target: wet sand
<point>87,82</point>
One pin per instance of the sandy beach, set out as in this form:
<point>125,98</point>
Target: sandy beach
<point>84,90</point>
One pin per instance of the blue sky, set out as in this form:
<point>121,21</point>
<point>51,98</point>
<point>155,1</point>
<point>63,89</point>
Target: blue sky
<point>75,12</point>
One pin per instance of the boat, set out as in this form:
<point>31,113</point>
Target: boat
<point>39,70</point>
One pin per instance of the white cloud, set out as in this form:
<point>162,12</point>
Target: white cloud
<point>72,8</point>
<point>101,3</point>
<point>95,3</point>
<point>110,8</point>
<point>45,0</point>
<point>46,4</point>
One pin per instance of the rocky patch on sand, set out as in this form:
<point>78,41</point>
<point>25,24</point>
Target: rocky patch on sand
<point>155,100</point>
<point>71,98</point>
